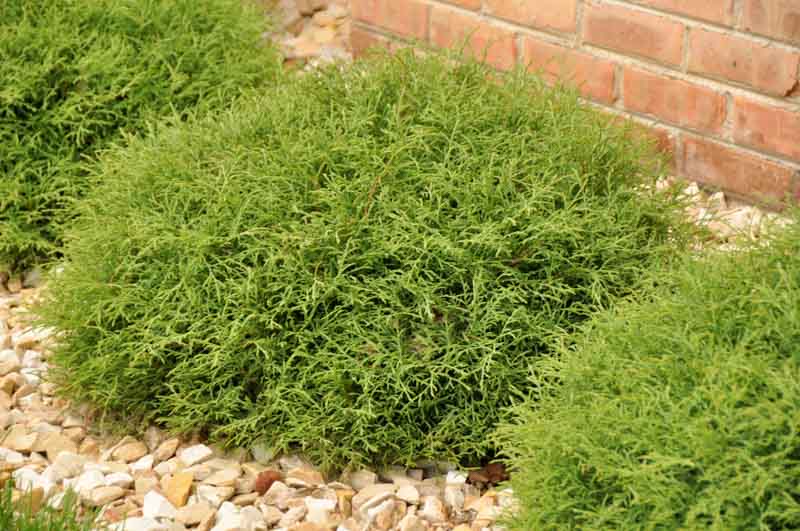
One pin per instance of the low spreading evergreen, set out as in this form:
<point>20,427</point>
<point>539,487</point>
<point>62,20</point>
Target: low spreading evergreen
<point>679,411</point>
<point>76,75</point>
<point>360,264</point>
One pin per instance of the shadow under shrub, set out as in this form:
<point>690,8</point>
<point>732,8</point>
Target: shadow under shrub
<point>362,263</point>
<point>76,75</point>
<point>679,411</point>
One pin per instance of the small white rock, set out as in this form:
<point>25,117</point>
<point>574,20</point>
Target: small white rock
<point>230,523</point>
<point>32,376</point>
<point>292,516</point>
<point>32,359</point>
<point>278,495</point>
<point>454,477</point>
<point>25,478</point>
<point>143,464</point>
<point>119,479</point>
<point>56,501</point>
<point>10,456</point>
<point>195,454</point>
<point>53,474</point>
<point>214,496</point>
<point>433,510</point>
<point>223,478</point>
<point>272,515</point>
<point>199,472</point>
<point>361,479</point>
<point>318,510</point>
<point>9,362</point>
<point>157,506</point>
<point>454,497</point>
<point>408,494</point>
<point>88,481</point>
<point>253,519</point>
<point>170,466</point>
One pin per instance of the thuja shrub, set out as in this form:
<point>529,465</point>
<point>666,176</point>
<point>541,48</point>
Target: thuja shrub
<point>360,264</point>
<point>78,75</point>
<point>677,411</point>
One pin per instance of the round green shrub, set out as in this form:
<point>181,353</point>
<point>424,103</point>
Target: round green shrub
<point>76,75</point>
<point>679,411</point>
<point>360,264</point>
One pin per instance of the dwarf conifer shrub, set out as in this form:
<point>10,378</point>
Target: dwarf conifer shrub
<point>679,411</point>
<point>77,75</point>
<point>361,264</point>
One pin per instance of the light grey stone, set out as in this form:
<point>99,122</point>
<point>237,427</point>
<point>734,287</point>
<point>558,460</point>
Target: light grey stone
<point>9,362</point>
<point>373,495</point>
<point>195,454</point>
<point>157,506</point>
<point>433,510</point>
<point>361,479</point>
<point>88,481</point>
<point>214,496</point>
<point>119,479</point>
<point>408,493</point>
<point>292,516</point>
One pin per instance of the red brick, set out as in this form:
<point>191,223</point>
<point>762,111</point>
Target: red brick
<point>774,18</point>
<point>408,18</point>
<point>593,76</point>
<point>719,11</point>
<point>634,32</point>
<point>769,69</point>
<point>676,101</point>
<point>362,40</point>
<point>450,28</point>
<point>767,127</point>
<point>737,171</point>
<point>551,15</point>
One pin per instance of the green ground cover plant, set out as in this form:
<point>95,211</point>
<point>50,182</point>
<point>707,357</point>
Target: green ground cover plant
<point>76,75</point>
<point>676,411</point>
<point>18,516</point>
<point>359,264</point>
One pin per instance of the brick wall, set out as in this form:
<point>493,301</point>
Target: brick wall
<point>717,80</point>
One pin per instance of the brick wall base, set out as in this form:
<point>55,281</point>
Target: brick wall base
<point>717,80</point>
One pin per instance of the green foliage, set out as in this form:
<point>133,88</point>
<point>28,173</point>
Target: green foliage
<point>19,517</point>
<point>361,263</point>
<point>679,411</point>
<point>75,75</point>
